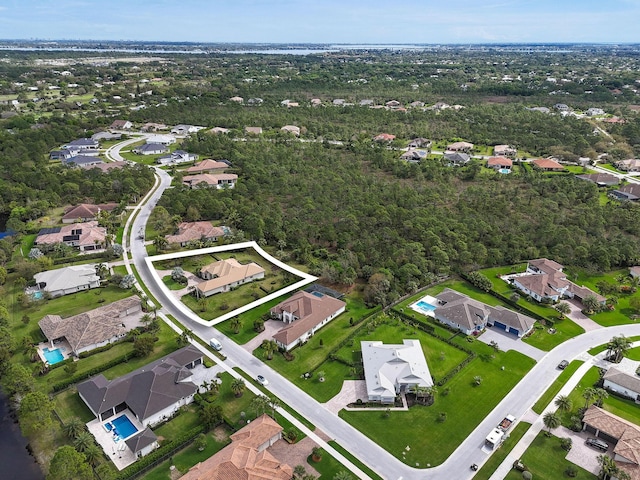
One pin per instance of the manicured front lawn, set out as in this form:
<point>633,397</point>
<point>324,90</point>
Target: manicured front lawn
<point>556,386</point>
<point>464,404</point>
<point>498,457</point>
<point>546,459</point>
<point>544,340</point>
<point>171,283</point>
<point>355,461</point>
<point>327,467</point>
<point>602,348</point>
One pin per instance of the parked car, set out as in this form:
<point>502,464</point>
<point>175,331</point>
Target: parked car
<point>262,381</point>
<point>563,364</point>
<point>215,344</point>
<point>597,443</point>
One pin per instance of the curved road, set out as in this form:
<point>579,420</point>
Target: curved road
<point>517,402</point>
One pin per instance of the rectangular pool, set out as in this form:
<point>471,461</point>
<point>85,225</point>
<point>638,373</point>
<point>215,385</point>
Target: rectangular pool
<point>425,306</point>
<point>53,356</point>
<point>122,427</point>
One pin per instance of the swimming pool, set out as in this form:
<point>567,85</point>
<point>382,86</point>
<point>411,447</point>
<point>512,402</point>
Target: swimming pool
<point>123,428</point>
<point>426,305</point>
<point>37,295</point>
<point>504,170</point>
<point>53,356</point>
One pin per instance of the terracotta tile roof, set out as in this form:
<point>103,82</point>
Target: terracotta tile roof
<point>105,166</point>
<point>207,165</point>
<point>455,146</point>
<point>241,460</point>
<point>87,211</point>
<point>309,310</point>
<point>547,164</point>
<point>194,231</point>
<point>89,328</point>
<point>209,178</point>
<point>546,265</point>
<point>227,272</point>
<point>384,137</point>
<point>499,162</point>
<point>90,234</point>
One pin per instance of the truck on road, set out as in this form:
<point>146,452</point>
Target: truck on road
<point>495,438</point>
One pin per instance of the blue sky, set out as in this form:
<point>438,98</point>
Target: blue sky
<point>324,21</point>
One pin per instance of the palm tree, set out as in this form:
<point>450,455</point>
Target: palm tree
<point>619,347</point>
<point>299,471</point>
<point>563,403</point>
<point>269,347</point>
<point>83,441</point>
<point>342,475</point>
<point>32,352</point>
<point>93,453</point>
<point>238,386</point>
<point>160,243</point>
<point>260,404</point>
<point>73,427</point>
<point>609,469</point>
<point>274,404</point>
<point>236,324</point>
<point>589,394</point>
<point>563,308</point>
<point>551,420</point>
<point>601,394</point>
<point>185,338</point>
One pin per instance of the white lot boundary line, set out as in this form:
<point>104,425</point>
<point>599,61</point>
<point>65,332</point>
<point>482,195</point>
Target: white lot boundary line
<point>298,424</point>
<point>306,279</point>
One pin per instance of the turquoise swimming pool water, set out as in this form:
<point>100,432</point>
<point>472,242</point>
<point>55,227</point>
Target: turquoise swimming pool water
<point>425,306</point>
<point>123,427</point>
<point>53,356</point>
<point>37,295</point>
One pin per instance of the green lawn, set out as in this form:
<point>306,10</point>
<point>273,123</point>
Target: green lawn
<point>556,386</point>
<point>546,459</point>
<point>454,399</point>
<point>355,461</point>
<point>634,354</point>
<point>327,467</point>
<point>542,339</point>
<point>499,455</point>
<point>68,404</point>
<point>171,283</point>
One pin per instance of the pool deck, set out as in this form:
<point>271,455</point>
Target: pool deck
<point>62,344</point>
<point>427,299</point>
<point>119,453</point>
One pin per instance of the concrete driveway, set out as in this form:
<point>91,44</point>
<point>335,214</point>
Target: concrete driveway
<point>351,391</point>
<point>507,341</point>
<point>580,318</point>
<point>580,453</point>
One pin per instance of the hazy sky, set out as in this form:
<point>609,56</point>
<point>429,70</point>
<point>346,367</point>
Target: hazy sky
<point>324,21</point>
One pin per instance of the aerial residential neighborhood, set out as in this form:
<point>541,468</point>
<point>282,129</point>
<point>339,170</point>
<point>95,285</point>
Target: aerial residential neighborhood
<point>241,261</point>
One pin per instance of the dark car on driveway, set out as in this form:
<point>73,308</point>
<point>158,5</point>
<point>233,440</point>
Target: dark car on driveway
<point>597,443</point>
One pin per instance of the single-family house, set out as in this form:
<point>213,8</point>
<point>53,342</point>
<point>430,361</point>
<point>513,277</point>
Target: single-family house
<point>620,432</point>
<point>367,102</point>
<point>469,315</point>
<point>539,109</point>
<point>247,456</point>
<point>95,328</point>
<point>162,139</point>
<point>414,156</point>
<point>339,102</point>
<point>82,144</point>
<point>315,102</point>
<point>178,156</point>
<point>504,151</point>
<point>217,130</point>
<point>208,166</point>
<point>253,130</point>
<point>106,136</point>
<point>121,125</point>
<point>561,107</point>
<point>86,212</point>
<point>236,99</point>
<point>629,165</point>
<point>600,179</point>
<point>219,180</point>
<point>456,159</point>
<point>105,166</point>
<point>151,149</point>
<point>82,161</point>
<point>547,165</point>
<point>223,275</point>
<point>85,236</point>
<point>500,163</point>
<point>420,143</point>
<point>593,111</point>
<point>544,280</point>
<point>416,104</point>
<point>196,232</point>
<point>60,154</point>
<point>153,127</point>
<point>67,280</point>
<point>185,129</point>
<point>392,369</point>
<point>291,129</point>
<point>152,393</point>
<point>392,104</point>
<point>384,137</point>
<point>630,192</point>
<point>460,147</point>
<point>304,314</point>
<point>634,271</point>
<point>622,383</point>
<point>255,101</point>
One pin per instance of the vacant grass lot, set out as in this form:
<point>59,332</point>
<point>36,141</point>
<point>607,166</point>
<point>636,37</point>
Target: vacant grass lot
<point>546,459</point>
<point>464,404</point>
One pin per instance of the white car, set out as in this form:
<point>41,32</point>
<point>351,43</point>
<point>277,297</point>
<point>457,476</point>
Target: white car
<point>262,381</point>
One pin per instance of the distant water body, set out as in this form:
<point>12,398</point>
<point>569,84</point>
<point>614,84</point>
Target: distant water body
<point>15,460</point>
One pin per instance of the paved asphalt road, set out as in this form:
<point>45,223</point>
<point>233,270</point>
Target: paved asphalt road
<point>457,465</point>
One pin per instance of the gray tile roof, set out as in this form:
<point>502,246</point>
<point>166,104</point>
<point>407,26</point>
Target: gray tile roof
<point>141,440</point>
<point>623,379</point>
<point>145,391</point>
